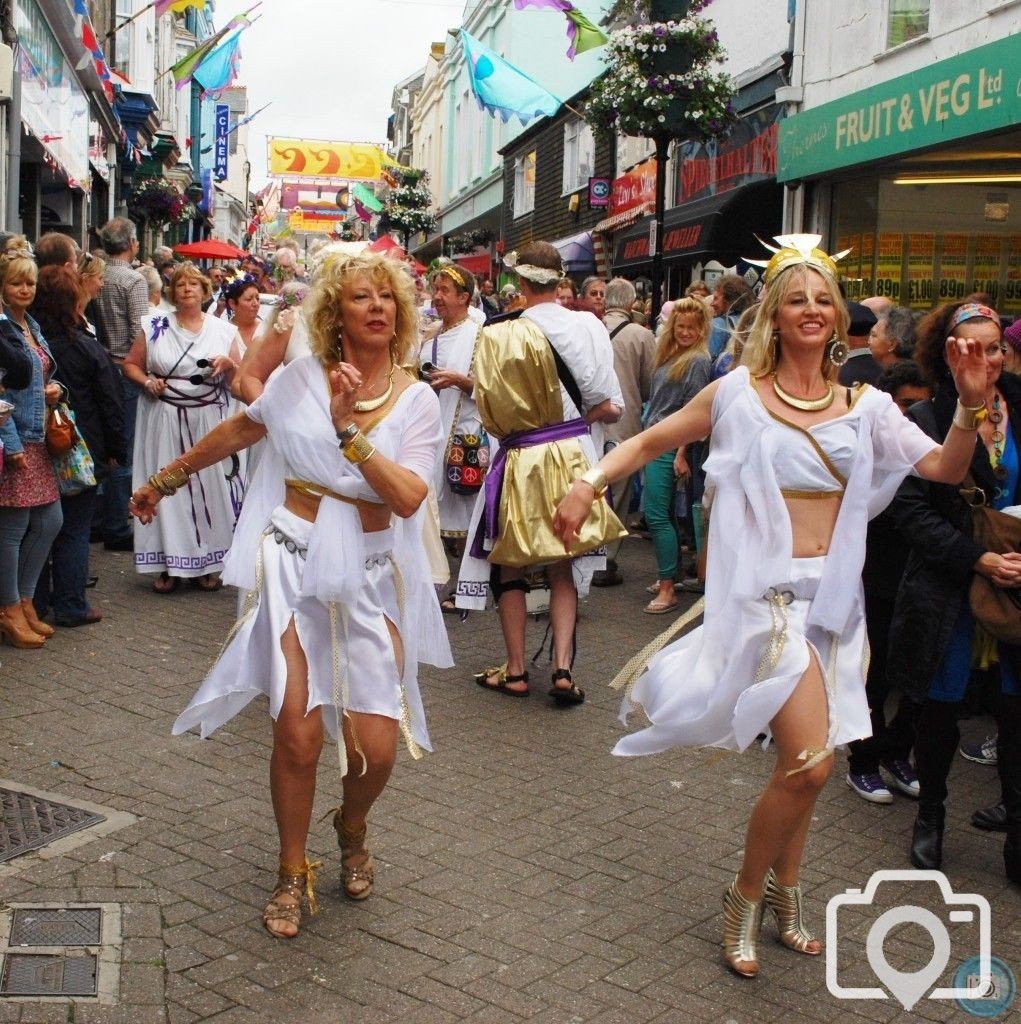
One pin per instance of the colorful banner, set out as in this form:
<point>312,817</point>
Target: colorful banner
<point>970,94</point>
<point>921,270</point>
<point>307,220</point>
<point>220,147</point>
<point>1012,295</point>
<point>310,158</point>
<point>985,270</point>
<point>953,268</point>
<point>633,189</point>
<point>889,258</point>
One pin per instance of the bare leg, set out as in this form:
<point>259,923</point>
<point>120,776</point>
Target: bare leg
<point>563,613</point>
<point>513,616</point>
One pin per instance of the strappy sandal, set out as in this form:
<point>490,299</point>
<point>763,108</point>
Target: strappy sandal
<point>502,679</point>
<point>165,583</point>
<point>785,902</point>
<point>355,878</point>
<point>565,695</point>
<point>293,880</point>
<point>742,921</point>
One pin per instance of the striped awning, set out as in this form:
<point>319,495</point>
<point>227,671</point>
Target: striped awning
<point>625,218</point>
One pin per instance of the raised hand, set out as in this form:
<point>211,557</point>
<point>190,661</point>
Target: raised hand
<point>967,363</point>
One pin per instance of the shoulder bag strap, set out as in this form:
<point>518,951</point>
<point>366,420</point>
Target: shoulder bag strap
<point>460,397</point>
<point>567,379</point>
<point>618,329</point>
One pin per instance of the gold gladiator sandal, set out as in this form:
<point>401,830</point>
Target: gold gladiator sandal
<point>357,872</point>
<point>292,881</point>
<point>785,902</point>
<point>742,920</point>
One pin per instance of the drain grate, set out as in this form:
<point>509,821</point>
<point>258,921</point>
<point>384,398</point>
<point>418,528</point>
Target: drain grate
<point>45,926</point>
<point>31,822</point>
<point>41,974</point>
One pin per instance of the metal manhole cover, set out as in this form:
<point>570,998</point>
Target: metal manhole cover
<point>57,926</point>
<point>42,974</point>
<point>30,822</point>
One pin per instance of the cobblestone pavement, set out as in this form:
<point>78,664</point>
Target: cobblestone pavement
<point>523,873</point>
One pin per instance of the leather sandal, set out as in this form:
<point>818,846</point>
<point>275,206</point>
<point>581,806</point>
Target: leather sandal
<point>566,695</point>
<point>785,902</point>
<point>357,871</point>
<point>502,679</point>
<point>742,921</point>
<point>292,881</point>
<point>165,583</point>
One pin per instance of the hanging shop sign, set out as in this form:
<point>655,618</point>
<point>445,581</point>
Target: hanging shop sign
<point>748,155</point>
<point>310,158</point>
<point>53,106</point>
<point>599,193</point>
<point>978,91</point>
<point>220,145</point>
<point>633,189</point>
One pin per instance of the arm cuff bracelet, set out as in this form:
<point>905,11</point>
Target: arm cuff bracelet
<point>596,479</point>
<point>968,418</point>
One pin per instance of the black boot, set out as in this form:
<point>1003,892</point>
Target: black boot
<point>927,838</point>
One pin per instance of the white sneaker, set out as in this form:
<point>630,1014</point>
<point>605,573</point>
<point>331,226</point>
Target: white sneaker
<point>870,786</point>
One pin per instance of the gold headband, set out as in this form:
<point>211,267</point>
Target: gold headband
<point>454,274</point>
<point>795,250</point>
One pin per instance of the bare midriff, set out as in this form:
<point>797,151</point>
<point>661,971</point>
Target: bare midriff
<point>374,516</point>
<point>812,522</point>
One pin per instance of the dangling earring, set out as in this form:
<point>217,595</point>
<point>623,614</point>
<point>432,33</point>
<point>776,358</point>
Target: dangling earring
<point>774,346</point>
<point>838,351</point>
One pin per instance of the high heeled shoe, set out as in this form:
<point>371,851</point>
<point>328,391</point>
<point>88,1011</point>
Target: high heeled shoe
<point>742,921</point>
<point>15,629</point>
<point>293,881</point>
<point>34,622</point>
<point>357,872</point>
<point>785,902</point>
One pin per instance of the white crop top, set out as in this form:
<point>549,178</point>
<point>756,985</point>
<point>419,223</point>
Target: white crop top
<point>814,462</point>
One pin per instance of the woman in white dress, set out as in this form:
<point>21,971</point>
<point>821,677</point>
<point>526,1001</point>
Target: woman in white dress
<point>797,467</point>
<point>339,609</point>
<point>182,362</point>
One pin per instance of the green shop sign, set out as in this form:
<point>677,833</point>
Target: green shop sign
<point>979,91</point>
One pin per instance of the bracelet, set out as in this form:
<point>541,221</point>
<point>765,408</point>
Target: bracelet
<point>968,417</point>
<point>359,449</point>
<point>596,479</point>
<point>167,481</point>
<point>347,434</point>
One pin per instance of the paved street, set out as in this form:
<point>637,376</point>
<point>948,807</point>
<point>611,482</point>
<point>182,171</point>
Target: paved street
<point>523,873</point>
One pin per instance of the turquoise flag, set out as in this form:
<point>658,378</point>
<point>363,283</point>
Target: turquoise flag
<point>220,68</point>
<point>503,89</point>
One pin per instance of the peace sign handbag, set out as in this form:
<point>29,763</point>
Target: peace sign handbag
<point>467,455</point>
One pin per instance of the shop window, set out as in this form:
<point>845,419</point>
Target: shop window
<point>524,184</point>
<point>907,20</point>
<point>124,40</point>
<point>579,155</point>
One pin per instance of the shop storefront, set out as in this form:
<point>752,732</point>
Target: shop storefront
<point>920,178</point>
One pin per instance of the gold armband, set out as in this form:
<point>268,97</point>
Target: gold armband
<point>358,449</point>
<point>968,417</point>
<point>167,481</point>
<point>596,479</point>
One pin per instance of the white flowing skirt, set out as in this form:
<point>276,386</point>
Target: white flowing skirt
<point>359,674</point>
<point>702,693</point>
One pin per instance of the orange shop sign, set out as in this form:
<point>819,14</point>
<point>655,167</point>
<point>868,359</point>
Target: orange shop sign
<point>310,158</point>
<point>633,189</point>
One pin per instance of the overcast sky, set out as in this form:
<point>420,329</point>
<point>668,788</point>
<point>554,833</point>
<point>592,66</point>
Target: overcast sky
<point>329,66</point>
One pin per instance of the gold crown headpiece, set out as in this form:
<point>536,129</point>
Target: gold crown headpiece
<point>794,250</point>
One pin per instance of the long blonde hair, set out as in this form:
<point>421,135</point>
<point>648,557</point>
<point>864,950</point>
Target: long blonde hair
<point>322,307</point>
<point>762,351</point>
<point>17,262</point>
<point>667,349</point>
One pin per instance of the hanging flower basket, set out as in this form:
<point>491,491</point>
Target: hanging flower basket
<point>406,208</point>
<point>662,79</point>
<point>158,201</point>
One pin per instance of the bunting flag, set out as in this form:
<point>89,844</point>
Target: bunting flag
<point>220,68</point>
<point>93,49</point>
<point>501,88</point>
<point>582,34</point>
<point>184,70</point>
<point>177,6</point>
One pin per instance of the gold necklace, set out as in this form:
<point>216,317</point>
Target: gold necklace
<point>452,326</point>
<point>372,404</point>
<point>805,404</point>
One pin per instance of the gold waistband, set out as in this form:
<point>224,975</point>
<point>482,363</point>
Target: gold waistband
<point>313,490</point>
<point>789,492</point>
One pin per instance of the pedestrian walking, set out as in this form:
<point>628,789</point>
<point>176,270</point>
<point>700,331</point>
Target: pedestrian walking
<point>796,466</point>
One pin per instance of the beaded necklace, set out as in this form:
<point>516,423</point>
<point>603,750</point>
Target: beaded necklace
<point>998,441</point>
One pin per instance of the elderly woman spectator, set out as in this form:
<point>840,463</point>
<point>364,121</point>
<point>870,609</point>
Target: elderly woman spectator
<point>938,650</point>
<point>30,513</point>
<point>892,338</point>
<point>85,368</point>
<point>182,363</point>
<point>154,283</point>
<point>340,610</point>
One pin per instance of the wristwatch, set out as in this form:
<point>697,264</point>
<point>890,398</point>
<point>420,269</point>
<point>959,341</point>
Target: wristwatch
<point>346,435</point>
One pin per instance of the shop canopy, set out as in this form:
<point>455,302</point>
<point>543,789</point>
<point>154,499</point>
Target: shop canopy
<point>210,249</point>
<point>577,253</point>
<point>723,227</point>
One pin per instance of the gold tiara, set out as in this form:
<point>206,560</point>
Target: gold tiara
<point>453,273</point>
<point>794,250</point>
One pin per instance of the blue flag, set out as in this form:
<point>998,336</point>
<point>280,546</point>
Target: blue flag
<point>503,89</point>
<point>220,68</point>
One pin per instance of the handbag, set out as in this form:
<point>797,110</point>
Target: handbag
<point>996,609</point>
<point>61,433</point>
<point>466,458</point>
<point>74,468</point>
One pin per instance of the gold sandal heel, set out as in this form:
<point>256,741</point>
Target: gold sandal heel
<point>742,920</point>
<point>785,902</point>
<point>356,879</point>
<point>293,881</point>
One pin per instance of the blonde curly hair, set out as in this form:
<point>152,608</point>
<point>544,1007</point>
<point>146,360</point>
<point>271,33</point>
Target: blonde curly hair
<point>322,307</point>
<point>17,262</point>
<point>761,352</point>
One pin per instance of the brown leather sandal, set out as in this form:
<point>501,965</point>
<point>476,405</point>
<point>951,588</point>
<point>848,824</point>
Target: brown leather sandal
<point>292,881</point>
<point>357,871</point>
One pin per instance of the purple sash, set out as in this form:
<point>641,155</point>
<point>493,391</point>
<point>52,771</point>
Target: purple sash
<point>494,477</point>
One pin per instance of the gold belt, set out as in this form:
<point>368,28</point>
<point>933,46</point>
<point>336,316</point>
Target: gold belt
<point>310,489</point>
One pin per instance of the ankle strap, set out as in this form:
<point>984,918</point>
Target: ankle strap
<point>307,871</point>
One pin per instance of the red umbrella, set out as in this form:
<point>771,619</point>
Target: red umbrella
<point>210,249</point>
